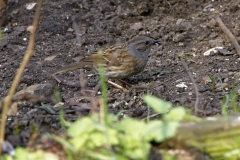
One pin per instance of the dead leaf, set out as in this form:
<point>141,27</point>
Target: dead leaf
<point>221,86</point>
<point>29,89</point>
<point>12,111</point>
<point>30,29</point>
<point>207,79</point>
<point>50,58</point>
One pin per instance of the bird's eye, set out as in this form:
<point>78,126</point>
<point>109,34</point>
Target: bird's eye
<point>147,42</point>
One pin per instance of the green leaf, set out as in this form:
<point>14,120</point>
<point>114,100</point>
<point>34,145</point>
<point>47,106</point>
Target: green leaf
<point>57,95</point>
<point>64,143</point>
<point>48,108</point>
<point>225,104</point>
<point>160,106</point>
<point>99,155</point>
<point>175,114</point>
<point>159,131</point>
<point>134,144</point>
<point>83,126</point>
<point>233,153</point>
<point>87,134</point>
<point>24,154</point>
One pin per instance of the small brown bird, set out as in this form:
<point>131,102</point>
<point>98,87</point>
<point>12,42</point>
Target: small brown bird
<point>118,61</point>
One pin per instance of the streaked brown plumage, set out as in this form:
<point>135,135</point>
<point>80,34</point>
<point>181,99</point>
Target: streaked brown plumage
<point>118,61</point>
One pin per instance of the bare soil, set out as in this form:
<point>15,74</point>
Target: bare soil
<point>186,29</point>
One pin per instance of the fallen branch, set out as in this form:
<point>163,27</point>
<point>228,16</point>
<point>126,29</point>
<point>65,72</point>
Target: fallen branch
<point>228,33</point>
<point>217,137</point>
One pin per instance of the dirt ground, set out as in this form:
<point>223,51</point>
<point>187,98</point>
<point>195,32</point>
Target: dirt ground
<point>186,29</point>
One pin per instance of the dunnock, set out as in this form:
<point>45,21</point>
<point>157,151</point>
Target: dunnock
<point>119,61</point>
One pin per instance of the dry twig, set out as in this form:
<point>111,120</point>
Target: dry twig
<point>194,85</point>
<point>228,33</point>
<point>7,100</point>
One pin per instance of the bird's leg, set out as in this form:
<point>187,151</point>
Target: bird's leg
<point>116,85</point>
<point>56,78</point>
<point>128,86</point>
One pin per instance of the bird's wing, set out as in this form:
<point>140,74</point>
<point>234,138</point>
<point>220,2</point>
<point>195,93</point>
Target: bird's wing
<point>81,64</point>
<point>113,56</point>
<point>109,57</point>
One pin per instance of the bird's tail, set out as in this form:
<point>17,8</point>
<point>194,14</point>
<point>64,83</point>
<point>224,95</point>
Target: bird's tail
<point>74,66</point>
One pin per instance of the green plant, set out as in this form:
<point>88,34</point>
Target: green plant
<point>1,33</point>
<point>233,102</point>
<point>57,95</point>
<point>127,139</point>
<point>214,80</point>
<point>233,93</point>
<point>225,104</point>
<point>22,153</point>
<point>104,91</point>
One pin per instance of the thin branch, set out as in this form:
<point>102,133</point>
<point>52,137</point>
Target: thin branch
<point>194,85</point>
<point>228,33</point>
<point>7,100</point>
<point>82,77</point>
<point>79,35</point>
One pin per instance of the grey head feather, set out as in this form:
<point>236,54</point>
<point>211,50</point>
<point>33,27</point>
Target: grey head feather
<point>140,46</point>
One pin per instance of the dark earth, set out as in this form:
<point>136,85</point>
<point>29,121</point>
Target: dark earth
<point>71,29</point>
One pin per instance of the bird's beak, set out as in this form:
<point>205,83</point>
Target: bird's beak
<point>156,42</point>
